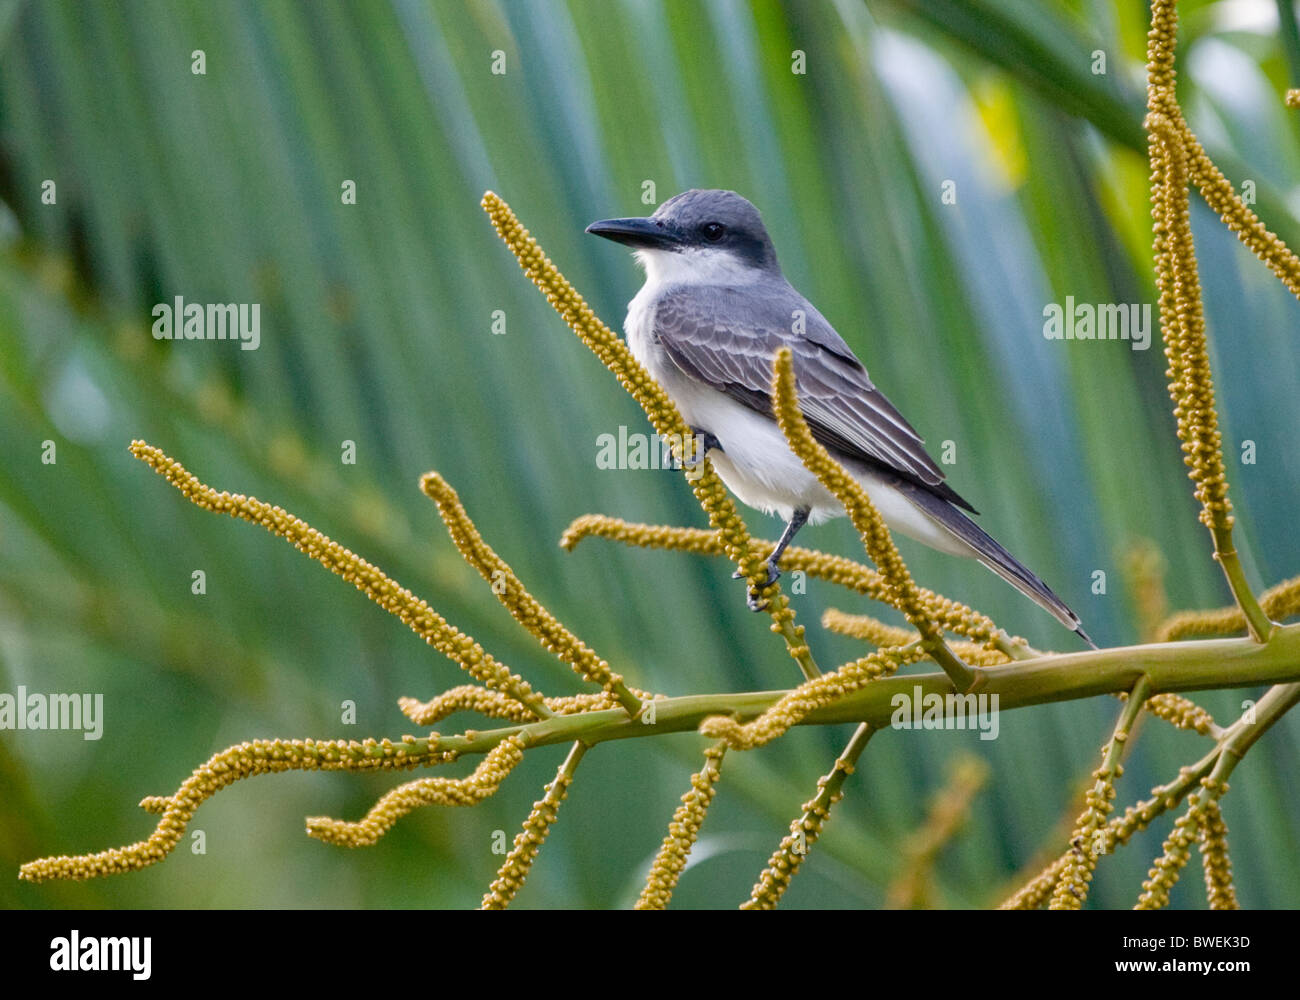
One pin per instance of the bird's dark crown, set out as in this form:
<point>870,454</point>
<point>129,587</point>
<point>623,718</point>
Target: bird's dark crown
<point>695,216</point>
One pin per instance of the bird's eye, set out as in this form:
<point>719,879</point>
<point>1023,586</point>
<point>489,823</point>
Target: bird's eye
<point>714,231</point>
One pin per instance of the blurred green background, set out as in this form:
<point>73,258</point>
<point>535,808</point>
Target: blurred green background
<point>376,328</point>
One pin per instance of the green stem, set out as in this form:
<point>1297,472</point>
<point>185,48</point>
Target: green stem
<point>1242,734</point>
<point>964,678</point>
<point>1218,763</point>
<point>797,645</point>
<point>1169,666</point>
<point>1016,649</point>
<point>1127,717</point>
<point>1261,627</point>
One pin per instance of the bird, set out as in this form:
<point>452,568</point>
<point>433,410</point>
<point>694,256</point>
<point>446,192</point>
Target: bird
<point>707,324</point>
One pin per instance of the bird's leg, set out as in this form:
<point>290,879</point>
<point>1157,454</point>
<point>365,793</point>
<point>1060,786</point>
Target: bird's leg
<point>797,520</point>
<point>700,444</point>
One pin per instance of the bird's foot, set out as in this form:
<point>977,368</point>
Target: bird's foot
<point>754,598</point>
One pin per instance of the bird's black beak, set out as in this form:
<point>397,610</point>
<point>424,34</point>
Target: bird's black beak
<point>639,233</point>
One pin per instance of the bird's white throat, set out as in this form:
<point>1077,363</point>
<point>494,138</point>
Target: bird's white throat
<point>695,266</point>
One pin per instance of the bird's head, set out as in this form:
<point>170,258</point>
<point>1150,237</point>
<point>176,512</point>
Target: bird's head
<point>698,236</point>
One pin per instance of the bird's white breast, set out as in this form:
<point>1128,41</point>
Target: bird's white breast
<point>756,462</point>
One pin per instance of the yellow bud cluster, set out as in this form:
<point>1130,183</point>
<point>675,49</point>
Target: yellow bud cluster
<point>367,578</point>
<point>528,842</point>
<point>1181,712</point>
<point>1163,875</point>
<point>683,831</point>
<point>510,591</point>
<point>879,633</point>
<point>1037,890</point>
<point>951,615</point>
<point>485,779</point>
<point>1219,890</point>
<point>809,696</point>
<point>1280,601</point>
<point>1182,322</point>
<point>245,760</point>
<point>903,591</point>
<point>804,831</point>
<point>495,705</point>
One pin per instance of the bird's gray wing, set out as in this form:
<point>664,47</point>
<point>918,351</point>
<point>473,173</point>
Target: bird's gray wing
<point>728,337</point>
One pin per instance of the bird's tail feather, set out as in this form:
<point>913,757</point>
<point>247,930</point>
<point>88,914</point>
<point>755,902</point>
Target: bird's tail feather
<point>987,550</point>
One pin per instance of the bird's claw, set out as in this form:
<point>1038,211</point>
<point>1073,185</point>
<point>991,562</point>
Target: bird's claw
<point>754,597</point>
<point>773,574</point>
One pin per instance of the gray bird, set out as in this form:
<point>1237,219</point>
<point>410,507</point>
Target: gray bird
<point>714,310</point>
